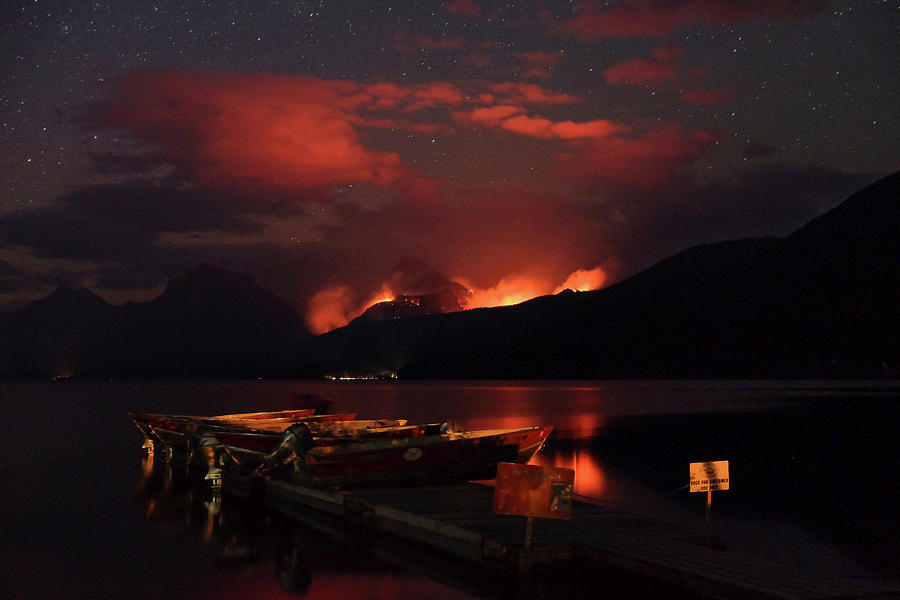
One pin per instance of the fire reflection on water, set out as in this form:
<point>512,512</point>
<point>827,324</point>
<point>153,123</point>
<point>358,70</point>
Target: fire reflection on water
<point>590,480</point>
<point>257,554</point>
<point>565,447</point>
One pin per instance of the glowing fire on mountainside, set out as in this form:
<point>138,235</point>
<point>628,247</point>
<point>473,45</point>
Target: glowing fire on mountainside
<point>402,295</point>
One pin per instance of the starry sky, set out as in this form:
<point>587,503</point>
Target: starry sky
<point>517,147</point>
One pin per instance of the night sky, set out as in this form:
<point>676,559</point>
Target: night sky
<point>519,148</point>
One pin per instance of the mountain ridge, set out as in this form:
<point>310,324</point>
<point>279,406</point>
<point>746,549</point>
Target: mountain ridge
<point>820,302</point>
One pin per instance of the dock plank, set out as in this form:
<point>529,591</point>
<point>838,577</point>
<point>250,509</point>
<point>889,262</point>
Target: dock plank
<point>458,519</point>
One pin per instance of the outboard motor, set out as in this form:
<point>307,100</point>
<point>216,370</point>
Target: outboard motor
<point>211,451</point>
<point>295,443</point>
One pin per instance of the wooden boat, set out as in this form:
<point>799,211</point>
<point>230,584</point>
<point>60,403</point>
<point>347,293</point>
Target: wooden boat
<point>178,432</point>
<point>452,456</point>
<point>267,441</point>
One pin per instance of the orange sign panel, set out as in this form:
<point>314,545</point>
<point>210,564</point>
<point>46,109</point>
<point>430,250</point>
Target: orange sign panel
<point>534,491</point>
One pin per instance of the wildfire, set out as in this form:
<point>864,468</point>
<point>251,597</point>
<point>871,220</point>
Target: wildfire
<point>506,293</point>
<point>584,280</point>
<point>519,289</point>
<point>336,306</point>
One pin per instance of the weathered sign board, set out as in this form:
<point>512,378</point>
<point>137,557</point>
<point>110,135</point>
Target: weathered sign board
<point>534,491</point>
<point>709,476</point>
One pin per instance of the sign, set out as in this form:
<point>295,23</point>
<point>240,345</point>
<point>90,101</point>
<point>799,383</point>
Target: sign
<point>709,476</point>
<point>534,491</point>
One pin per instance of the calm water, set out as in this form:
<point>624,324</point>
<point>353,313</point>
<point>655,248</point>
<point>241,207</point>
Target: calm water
<point>815,481</point>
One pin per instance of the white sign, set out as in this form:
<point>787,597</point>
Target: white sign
<point>707,476</point>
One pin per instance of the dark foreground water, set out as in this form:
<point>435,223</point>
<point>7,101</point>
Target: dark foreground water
<point>814,466</point>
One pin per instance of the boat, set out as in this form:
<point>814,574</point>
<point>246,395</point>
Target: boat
<point>326,452</point>
<point>267,441</point>
<point>428,458</point>
<point>182,432</point>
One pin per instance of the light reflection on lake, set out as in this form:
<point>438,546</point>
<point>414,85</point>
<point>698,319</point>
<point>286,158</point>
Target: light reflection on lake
<point>813,468</point>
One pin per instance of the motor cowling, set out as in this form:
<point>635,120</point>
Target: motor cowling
<point>295,443</point>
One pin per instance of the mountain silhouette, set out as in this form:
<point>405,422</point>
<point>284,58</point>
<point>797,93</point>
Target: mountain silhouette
<point>209,322</point>
<point>419,290</point>
<point>821,302</point>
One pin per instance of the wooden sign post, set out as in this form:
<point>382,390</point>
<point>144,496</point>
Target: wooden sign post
<point>533,491</point>
<point>706,477</point>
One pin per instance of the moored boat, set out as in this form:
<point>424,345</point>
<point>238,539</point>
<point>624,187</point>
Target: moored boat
<point>178,432</point>
<point>450,456</point>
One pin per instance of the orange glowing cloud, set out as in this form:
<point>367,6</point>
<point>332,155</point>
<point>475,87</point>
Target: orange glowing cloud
<point>566,130</point>
<point>490,115</point>
<point>663,64</point>
<point>529,93</point>
<point>272,131</point>
<point>645,161</point>
<point>656,18</point>
<point>279,132</point>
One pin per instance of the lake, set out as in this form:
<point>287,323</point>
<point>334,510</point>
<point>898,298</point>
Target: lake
<point>814,469</point>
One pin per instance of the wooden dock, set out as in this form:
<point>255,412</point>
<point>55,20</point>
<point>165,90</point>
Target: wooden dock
<point>458,520</point>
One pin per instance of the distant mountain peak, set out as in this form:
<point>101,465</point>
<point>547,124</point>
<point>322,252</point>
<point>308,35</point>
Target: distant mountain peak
<point>412,277</point>
<point>207,287</point>
<point>207,282</point>
<point>71,298</point>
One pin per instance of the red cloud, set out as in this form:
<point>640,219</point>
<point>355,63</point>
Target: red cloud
<point>663,64</point>
<point>278,132</point>
<point>490,115</point>
<point>464,7</point>
<point>708,97</point>
<point>540,63</point>
<point>566,130</point>
<point>643,162</point>
<point>529,93</point>
<point>656,18</point>
<point>638,71</point>
<point>413,43</point>
<point>272,131</point>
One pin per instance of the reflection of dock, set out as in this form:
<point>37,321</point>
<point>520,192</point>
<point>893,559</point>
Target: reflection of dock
<point>457,520</point>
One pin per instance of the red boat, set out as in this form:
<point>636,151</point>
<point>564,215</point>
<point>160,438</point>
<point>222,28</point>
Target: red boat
<point>259,430</point>
<point>452,456</point>
<point>267,441</point>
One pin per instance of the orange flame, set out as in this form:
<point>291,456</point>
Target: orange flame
<point>519,289</point>
<point>583,280</point>
<point>336,306</point>
<point>505,293</point>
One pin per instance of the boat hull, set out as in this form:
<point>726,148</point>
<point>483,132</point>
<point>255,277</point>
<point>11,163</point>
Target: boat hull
<point>444,457</point>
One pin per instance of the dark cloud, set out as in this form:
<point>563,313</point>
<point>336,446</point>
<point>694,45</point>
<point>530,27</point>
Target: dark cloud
<point>657,18</point>
<point>119,227</point>
<point>12,278</point>
<point>708,97</point>
<point>122,221</point>
<point>760,201</point>
<point>467,8</point>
